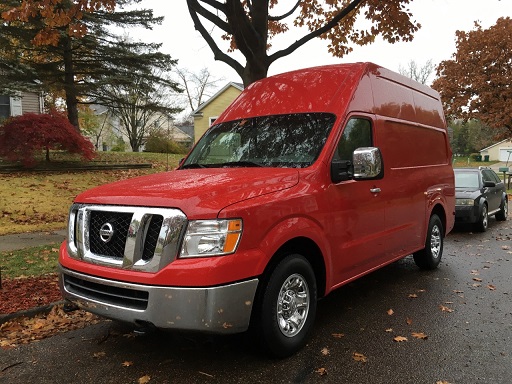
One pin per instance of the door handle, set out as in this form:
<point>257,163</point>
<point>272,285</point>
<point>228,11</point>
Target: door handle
<point>375,190</point>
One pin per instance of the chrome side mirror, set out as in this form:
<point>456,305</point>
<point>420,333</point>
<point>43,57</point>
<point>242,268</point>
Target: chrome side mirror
<point>367,163</point>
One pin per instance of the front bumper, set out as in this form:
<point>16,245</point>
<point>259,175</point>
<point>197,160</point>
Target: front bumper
<point>220,309</point>
<point>467,214</point>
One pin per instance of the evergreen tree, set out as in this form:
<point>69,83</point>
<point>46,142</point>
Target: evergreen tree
<point>80,54</point>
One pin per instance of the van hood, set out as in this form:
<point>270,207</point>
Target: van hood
<point>199,193</point>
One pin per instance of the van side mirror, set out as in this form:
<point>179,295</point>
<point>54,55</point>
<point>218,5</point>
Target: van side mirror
<point>489,184</point>
<point>341,170</point>
<point>367,163</point>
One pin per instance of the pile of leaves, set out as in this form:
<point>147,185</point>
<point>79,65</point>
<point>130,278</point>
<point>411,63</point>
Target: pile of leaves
<point>21,294</point>
<point>24,330</point>
<point>25,293</point>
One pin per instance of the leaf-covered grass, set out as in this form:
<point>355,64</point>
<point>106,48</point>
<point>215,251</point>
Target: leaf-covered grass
<point>34,261</point>
<point>464,162</point>
<point>39,201</point>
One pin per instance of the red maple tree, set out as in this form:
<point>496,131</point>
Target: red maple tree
<point>23,137</point>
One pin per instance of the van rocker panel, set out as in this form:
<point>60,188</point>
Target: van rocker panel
<point>221,309</point>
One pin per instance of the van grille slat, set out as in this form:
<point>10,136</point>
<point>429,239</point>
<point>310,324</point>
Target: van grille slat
<point>123,297</point>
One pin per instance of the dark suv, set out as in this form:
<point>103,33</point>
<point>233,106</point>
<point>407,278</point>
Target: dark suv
<point>479,193</point>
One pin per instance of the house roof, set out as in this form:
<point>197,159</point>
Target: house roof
<point>238,86</point>
<point>495,144</point>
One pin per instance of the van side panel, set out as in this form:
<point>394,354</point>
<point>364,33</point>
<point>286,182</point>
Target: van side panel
<point>411,134</point>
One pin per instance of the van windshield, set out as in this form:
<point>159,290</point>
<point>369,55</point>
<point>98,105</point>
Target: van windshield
<point>293,140</point>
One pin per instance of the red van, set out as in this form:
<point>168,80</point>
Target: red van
<point>309,180</point>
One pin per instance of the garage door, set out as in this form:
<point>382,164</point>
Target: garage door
<point>504,154</point>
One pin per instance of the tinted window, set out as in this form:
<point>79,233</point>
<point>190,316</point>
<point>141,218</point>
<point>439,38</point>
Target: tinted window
<point>488,176</point>
<point>357,134</point>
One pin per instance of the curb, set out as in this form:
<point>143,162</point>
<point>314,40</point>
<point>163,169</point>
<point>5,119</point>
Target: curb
<point>63,167</point>
<point>45,309</point>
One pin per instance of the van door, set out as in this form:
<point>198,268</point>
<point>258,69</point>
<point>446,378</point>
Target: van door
<point>356,211</point>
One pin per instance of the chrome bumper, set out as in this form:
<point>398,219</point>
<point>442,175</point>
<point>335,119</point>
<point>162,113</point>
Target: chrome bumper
<point>222,309</point>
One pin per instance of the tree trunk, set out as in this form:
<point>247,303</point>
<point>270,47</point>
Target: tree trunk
<point>70,85</point>
<point>254,71</point>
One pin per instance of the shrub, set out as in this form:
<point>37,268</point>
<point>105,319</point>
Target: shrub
<point>22,138</point>
<point>157,142</point>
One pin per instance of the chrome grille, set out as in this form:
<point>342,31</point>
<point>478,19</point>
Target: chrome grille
<point>120,222</point>
<point>139,238</point>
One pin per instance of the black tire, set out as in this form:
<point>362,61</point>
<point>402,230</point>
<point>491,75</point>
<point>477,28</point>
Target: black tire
<point>503,212</point>
<point>483,221</point>
<point>430,256</point>
<point>287,293</point>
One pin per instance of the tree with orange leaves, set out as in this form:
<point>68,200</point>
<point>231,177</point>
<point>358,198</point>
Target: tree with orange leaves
<point>67,46</point>
<point>57,16</point>
<point>475,84</point>
<point>250,25</point>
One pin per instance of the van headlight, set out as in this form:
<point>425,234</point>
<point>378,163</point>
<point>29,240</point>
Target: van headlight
<point>464,202</point>
<point>211,238</point>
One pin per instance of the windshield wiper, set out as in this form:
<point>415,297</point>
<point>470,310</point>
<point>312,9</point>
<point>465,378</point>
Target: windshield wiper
<point>241,164</point>
<point>192,166</point>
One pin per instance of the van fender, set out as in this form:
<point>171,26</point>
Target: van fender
<point>295,228</point>
<point>436,203</point>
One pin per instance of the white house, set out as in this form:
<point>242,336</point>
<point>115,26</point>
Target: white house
<point>501,151</point>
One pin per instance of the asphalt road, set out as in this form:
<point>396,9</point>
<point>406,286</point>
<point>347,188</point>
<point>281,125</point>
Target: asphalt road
<point>464,309</point>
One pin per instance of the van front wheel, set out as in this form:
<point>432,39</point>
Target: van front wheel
<point>287,306</point>
<point>430,256</point>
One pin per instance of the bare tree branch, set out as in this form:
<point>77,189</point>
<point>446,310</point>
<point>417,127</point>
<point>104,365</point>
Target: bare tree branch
<point>284,16</point>
<point>217,53</point>
<point>194,5</point>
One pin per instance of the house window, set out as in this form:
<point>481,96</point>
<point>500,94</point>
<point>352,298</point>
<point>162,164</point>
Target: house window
<point>212,120</point>
<point>5,107</point>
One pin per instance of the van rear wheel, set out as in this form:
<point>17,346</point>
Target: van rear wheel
<point>287,306</point>
<point>430,256</point>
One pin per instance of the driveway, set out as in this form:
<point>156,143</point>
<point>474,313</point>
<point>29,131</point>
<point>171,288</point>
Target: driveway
<point>397,325</point>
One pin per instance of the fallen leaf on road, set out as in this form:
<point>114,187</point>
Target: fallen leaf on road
<point>400,339</point>
<point>127,363</point>
<point>389,330</point>
<point>477,279</point>
<point>491,287</point>
<point>413,296</point>
<point>325,351</point>
<point>408,321</point>
<point>338,335</point>
<point>445,309</point>
<point>144,379</point>
<point>321,371</point>
<point>359,357</point>
<point>419,335</point>
<point>97,355</point>
<point>390,312</point>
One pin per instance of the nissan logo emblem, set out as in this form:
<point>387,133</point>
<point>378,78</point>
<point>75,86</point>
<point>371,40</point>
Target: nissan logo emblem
<point>106,232</point>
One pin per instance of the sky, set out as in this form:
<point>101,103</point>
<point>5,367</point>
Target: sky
<point>434,41</point>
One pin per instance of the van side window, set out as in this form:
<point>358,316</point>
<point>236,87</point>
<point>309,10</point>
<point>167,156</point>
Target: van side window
<point>357,134</point>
